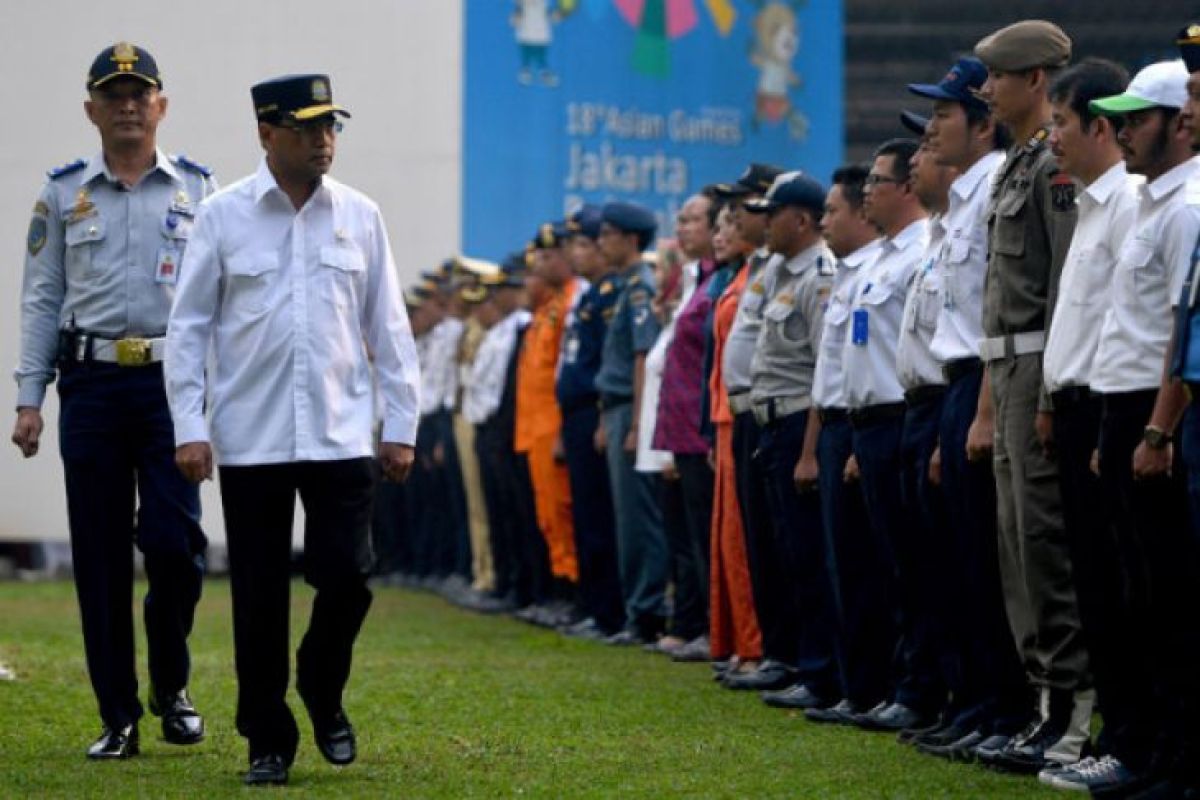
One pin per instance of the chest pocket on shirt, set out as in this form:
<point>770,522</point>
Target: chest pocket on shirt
<point>787,319</point>
<point>1137,257</point>
<point>82,239</point>
<point>928,301</point>
<point>838,311</point>
<point>1091,279</point>
<point>1008,236</point>
<point>251,278</point>
<point>343,273</point>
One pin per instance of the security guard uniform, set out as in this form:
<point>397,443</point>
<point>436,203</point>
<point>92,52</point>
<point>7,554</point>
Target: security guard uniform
<point>1031,220</point>
<point>793,595</point>
<point>100,271</point>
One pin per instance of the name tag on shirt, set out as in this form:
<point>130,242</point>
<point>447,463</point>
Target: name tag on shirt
<point>858,327</point>
<point>167,270</point>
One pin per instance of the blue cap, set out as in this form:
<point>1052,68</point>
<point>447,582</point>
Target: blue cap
<point>791,189</point>
<point>294,97</point>
<point>629,217</point>
<point>958,86</point>
<point>123,60</point>
<point>586,221</point>
<point>550,234</point>
<point>914,121</point>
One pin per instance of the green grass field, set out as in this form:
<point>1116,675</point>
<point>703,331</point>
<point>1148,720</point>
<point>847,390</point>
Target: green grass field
<point>450,704</point>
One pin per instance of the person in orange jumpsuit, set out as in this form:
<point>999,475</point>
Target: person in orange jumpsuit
<point>539,419</point>
<point>734,634</point>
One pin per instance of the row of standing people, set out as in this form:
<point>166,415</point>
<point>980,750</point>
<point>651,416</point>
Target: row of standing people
<point>911,452</point>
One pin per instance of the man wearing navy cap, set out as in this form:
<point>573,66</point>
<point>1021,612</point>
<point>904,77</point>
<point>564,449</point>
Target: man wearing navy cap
<point>288,281</point>
<point>792,593</point>
<point>988,688</point>
<point>591,494</point>
<point>626,230</point>
<point>102,261</point>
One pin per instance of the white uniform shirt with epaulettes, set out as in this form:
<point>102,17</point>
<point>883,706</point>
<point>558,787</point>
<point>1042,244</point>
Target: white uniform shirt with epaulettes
<point>484,389</point>
<point>747,322</point>
<point>103,257</point>
<point>963,261</point>
<point>828,384</point>
<point>869,357</point>
<point>786,354</point>
<point>1147,282</point>
<point>916,365</point>
<point>1107,209</point>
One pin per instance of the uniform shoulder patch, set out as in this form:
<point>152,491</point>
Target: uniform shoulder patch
<point>67,169</point>
<point>606,287</point>
<point>35,240</point>
<point>188,164</point>
<point>1062,191</point>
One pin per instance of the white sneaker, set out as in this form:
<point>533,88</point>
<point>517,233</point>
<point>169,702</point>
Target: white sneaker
<point>1095,775</point>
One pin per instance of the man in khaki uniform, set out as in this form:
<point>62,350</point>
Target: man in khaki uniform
<point>1031,220</point>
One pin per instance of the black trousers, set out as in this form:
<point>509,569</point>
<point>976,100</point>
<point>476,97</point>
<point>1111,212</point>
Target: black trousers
<point>687,521</point>
<point>1153,678</point>
<point>592,513</point>
<point>259,504</point>
<point>994,695</point>
<point>118,450</point>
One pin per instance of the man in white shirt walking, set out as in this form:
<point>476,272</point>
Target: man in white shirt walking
<point>289,279</point>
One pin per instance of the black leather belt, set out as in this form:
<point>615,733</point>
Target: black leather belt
<point>953,370</point>
<point>831,415</point>
<point>877,413</point>
<point>924,394</point>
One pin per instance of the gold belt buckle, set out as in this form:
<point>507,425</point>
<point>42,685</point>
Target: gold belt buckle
<point>133,352</point>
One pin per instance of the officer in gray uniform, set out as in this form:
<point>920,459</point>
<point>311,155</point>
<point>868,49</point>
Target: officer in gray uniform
<point>792,593</point>
<point>103,254</point>
<point>1031,221</point>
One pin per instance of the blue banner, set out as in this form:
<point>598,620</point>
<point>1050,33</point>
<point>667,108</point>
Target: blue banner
<point>568,101</point>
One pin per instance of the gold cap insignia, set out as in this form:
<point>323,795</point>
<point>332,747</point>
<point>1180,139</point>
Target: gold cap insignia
<point>547,235</point>
<point>1192,35</point>
<point>125,56</point>
<point>320,91</point>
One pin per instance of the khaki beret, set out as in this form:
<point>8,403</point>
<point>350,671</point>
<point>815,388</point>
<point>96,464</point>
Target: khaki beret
<point>1025,45</point>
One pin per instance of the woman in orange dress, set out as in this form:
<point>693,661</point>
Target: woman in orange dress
<point>733,623</point>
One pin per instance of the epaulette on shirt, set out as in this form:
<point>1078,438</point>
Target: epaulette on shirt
<point>185,162</point>
<point>67,169</point>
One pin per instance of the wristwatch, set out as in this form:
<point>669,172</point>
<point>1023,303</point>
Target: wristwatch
<point>1155,437</point>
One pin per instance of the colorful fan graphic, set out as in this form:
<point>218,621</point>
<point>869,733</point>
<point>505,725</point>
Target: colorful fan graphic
<point>659,21</point>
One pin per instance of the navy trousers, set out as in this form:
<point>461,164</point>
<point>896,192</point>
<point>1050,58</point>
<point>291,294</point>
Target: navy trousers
<point>592,513</point>
<point>802,590</point>
<point>118,450</point>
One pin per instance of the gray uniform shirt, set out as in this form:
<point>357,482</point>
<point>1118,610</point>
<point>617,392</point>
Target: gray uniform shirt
<point>786,355</point>
<point>103,258</point>
<point>1030,222</point>
<point>743,335</point>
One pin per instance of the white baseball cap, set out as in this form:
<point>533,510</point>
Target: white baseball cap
<point>1161,85</point>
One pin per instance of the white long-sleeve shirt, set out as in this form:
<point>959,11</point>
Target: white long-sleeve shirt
<point>289,301</point>
<point>484,387</point>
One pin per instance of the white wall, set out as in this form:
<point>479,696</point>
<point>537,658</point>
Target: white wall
<point>396,64</point>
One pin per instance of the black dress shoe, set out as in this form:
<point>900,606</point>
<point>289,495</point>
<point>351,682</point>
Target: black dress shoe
<point>268,770</point>
<point>795,696</point>
<point>991,747</point>
<point>1026,755</point>
<point>115,743</point>
<point>335,738</point>
<point>892,717</point>
<point>841,713</point>
<point>944,741</point>
<point>910,735</point>
<point>181,723</point>
<point>770,674</point>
